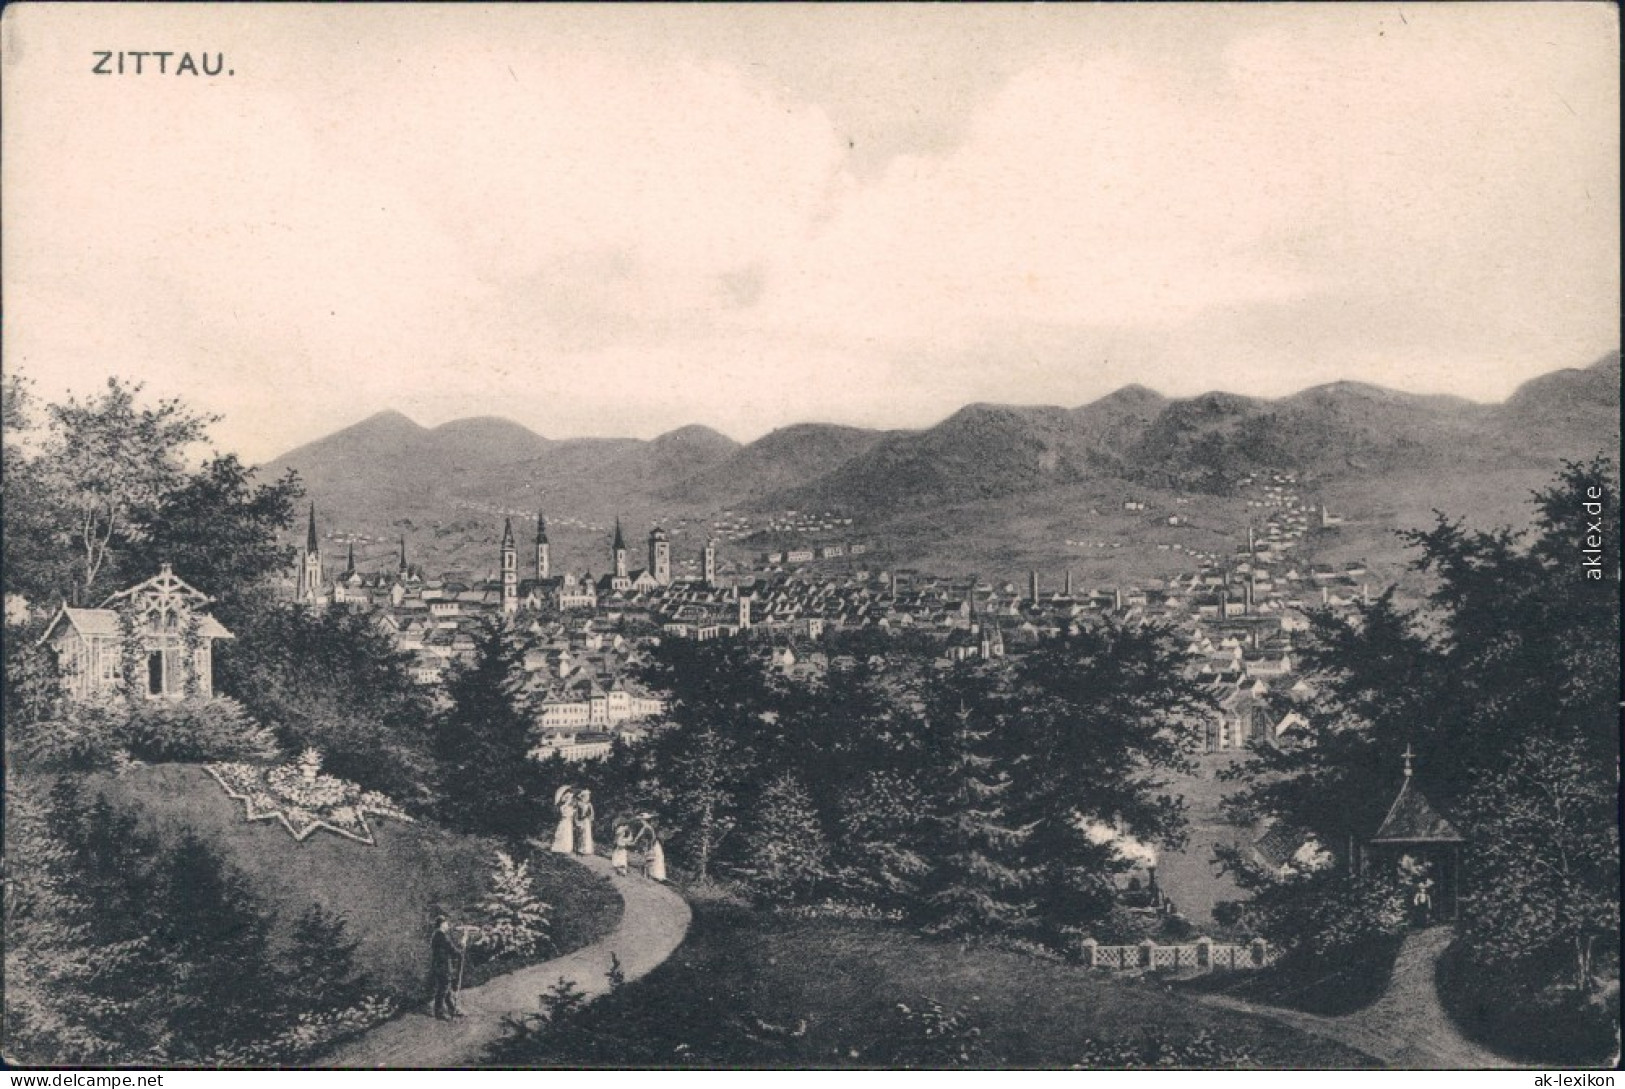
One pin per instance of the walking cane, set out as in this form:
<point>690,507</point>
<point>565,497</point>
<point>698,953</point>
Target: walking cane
<point>462,960</point>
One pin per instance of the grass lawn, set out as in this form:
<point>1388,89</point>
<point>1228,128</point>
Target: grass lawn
<point>1310,984</point>
<point>740,989</point>
<point>1189,876</point>
<point>388,892</point>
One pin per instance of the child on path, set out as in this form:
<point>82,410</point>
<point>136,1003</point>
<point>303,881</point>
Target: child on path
<point>623,844</point>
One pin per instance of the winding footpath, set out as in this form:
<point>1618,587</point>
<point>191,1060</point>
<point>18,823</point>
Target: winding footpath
<point>652,926</point>
<point>1407,1028</point>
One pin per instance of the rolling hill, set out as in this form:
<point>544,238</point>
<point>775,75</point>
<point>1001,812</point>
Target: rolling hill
<point>778,461</point>
<point>388,893</point>
<point>990,486</point>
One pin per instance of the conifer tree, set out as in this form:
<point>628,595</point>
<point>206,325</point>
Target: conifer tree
<point>513,919</point>
<point>706,782</point>
<point>482,742</point>
<point>881,823</point>
<point>978,877</point>
<point>101,979</point>
<point>786,853</point>
<point>321,972</point>
<point>229,991</point>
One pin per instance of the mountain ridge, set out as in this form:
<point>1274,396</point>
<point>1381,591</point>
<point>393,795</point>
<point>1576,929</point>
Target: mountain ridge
<point>388,471</point>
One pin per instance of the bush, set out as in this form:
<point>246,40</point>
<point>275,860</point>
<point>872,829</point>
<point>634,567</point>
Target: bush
<point>123,949</point>
<point>1204,1051</point>
<point>308,1036</point>
<point>513,920</point>
<point>196,730</point>
<point>86,737</point>
<point>102,733</point>
<point>929,1036</point>
<point>1329,916</point>
<point>1120,926</point>
<point>1519,1011</point>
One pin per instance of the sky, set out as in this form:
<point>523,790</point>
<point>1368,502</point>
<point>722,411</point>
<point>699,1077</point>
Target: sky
<point>600,220</point>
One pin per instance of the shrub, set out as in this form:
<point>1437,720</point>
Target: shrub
<point>1527,1011</point>
<point>195,730</point>
<point>513,920</point>
<point>1120,926</point>
<point>1204,1051</point>
<point>928,1035</point>
<point>98,734</point>
<point>85,737</point>
<point>308,1036</point>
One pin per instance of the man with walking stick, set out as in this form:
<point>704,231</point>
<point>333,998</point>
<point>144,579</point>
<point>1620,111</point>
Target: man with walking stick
<point>443,956</point>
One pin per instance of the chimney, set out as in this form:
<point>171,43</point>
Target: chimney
<point>1247,596</point>
<point>1069,583</point>
<point>1117,600</point>
<point>1032,586</point>
<point>1224,604</point>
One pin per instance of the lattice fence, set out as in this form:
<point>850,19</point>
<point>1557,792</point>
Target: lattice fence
<point>1200,955</point>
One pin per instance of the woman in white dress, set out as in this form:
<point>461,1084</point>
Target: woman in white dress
<point>584,816</point>
<point>564,836</point>
<point>654,857</point>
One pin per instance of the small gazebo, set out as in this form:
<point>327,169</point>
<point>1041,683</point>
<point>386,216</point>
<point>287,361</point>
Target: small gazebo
<point>1424,848</point>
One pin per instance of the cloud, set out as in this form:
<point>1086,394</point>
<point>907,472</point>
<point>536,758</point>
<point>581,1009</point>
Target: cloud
<point>623,220</point>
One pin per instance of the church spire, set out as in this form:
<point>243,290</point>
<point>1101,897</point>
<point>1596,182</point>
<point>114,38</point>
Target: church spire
<point>309,589</point>
<point>543,566</point>
<point>510,571</point>
<point>618,552</point>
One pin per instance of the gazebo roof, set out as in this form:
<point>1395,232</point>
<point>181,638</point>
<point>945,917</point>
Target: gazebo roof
<point>1412,820</point>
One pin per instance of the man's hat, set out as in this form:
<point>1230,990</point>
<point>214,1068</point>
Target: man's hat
<point>440,917</point>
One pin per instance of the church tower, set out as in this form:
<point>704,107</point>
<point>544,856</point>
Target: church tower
<point>543,564</point>
<point>510,570</point>
<point>618,552</point>
<point>660,556</point>
<point>708,564</point>
<point>310,569</point>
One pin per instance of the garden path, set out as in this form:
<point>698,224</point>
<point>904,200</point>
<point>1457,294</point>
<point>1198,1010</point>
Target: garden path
<point>1407,1028</point>
<point>652,926</point>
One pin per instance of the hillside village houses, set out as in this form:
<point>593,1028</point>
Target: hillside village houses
<point>1238,615</point>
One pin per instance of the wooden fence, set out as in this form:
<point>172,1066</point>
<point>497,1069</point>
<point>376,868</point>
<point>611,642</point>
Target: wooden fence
<point>1202,955</point>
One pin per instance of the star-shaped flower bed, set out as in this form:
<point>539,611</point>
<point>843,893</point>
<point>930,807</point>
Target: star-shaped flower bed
<point>304,800</point>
